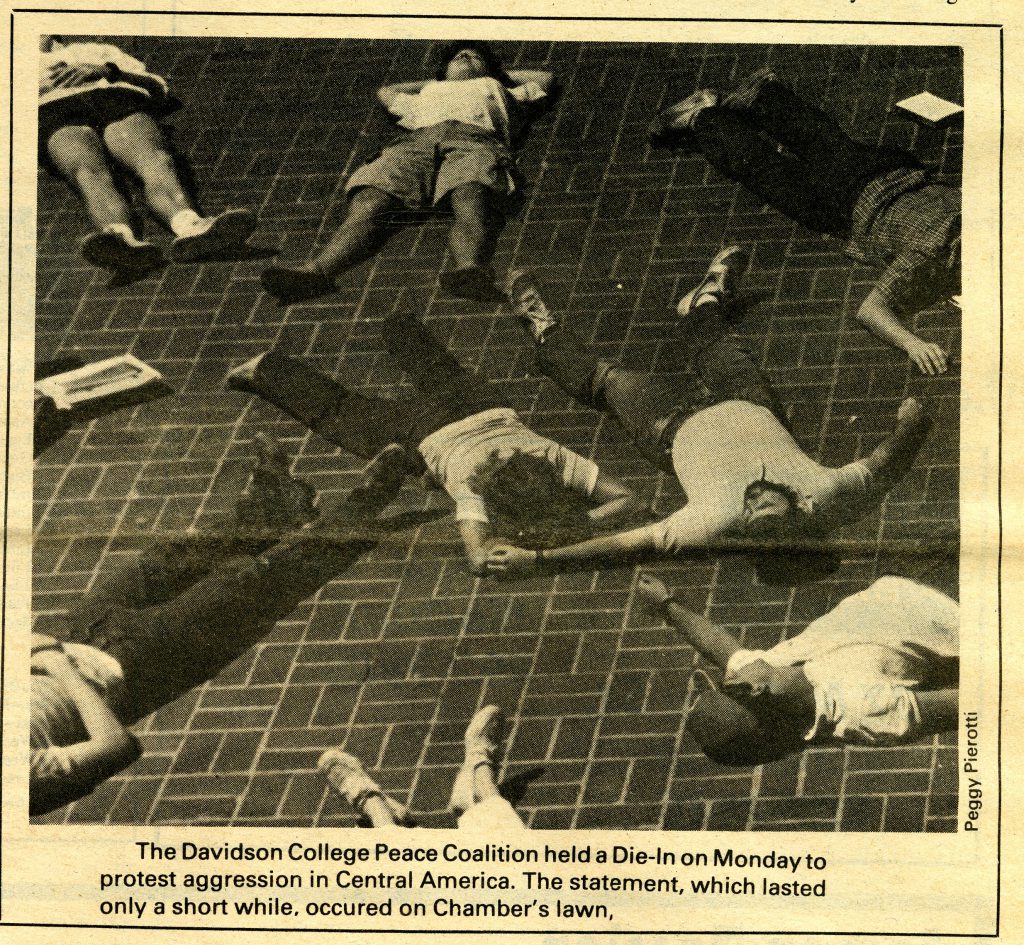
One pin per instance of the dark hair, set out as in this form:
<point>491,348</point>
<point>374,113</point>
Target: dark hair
<point>730,733</point>
<point>527,502</point>
<point>787,549</point>
<point>451,49</point>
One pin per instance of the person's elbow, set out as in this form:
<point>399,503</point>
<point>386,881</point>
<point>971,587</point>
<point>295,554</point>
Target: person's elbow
<point>122,749</point>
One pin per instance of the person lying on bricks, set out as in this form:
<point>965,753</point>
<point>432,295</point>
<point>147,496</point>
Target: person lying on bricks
<point>882,201</point>
<point>175,615</point>
<point>719,428</point>
<point>881,668</point>
<point>507,482</point>
<point>460,130</point>
<point>475,795</point>
<point>98,108</point>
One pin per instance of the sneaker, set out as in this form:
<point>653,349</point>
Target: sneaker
<point>214,236</point>
<point>290,286</point>
<point>744,94</point>
<point>720,283</point>
<point>347,776</point>
<point>525,300</point>
<point>475,283</point>
<point>241,378</point>
<point>386,472</point>
<point>672,125</point>
<point>483,738</point>
<point>112,249</point>
<point>276,500</point>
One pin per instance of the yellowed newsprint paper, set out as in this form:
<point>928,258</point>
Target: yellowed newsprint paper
<point>533,471</point>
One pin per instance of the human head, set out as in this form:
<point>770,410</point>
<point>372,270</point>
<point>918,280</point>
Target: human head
<point>47,41</point>
<point>760,714</point>
<point>528,504</point>
<point>784,535</point>
<point>483,62</point>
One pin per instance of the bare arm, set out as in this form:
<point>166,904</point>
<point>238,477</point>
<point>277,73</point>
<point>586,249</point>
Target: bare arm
<point>388,93</point>
<point>877,316</point>
<point>713,642</point>
<point>476,537</point>
<point>615,500</point>
<point>940,710</point>
<point>612,550</point>
<point>110,747</point>
<point>546,80</point>
<point>891,460</point>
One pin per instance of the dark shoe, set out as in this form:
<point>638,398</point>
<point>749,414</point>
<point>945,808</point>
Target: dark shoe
<point>385,473</point>
<point>475,283</point>
<point>527,305</point>
<point>745,93</point>
<point>276,501</point>
<point>672,127</point>
<point>215,236</point>
<point>290,286</point>
<point>110,249</point>
<point>720,282</point>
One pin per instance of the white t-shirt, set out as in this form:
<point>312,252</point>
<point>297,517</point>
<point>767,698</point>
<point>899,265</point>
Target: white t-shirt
<point>90,54</point>
<point>454,453</point>
<point>718,452</point>
<point>865,658</point>
<point>483,102</point>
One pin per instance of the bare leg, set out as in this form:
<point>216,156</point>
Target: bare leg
<point>77,152</point>
<point>365,229</point>
<point>471,239</point>
<point>138,143</point>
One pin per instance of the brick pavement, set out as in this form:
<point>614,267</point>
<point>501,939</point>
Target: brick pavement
<point>391,659</point>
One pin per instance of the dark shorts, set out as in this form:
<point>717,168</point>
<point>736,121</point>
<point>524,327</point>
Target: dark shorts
<point>423,167</point>
<point>93,109</point>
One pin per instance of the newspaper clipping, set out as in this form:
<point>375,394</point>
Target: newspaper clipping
<point>506,471</point>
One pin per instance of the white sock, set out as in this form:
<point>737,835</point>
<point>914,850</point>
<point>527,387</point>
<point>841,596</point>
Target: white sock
<point>186,223</point>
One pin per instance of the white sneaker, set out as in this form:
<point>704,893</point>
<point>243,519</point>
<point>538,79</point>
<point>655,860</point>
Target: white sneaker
<point>483,738</point>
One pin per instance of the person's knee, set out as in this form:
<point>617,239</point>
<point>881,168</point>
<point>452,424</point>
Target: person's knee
<point>473,202</point>
<point>77,150</point>
<point>371,204</point>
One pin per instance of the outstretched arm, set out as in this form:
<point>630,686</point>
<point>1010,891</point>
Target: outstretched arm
<point>476,537</point>
<point>713,642</point>
<point>878,317</point>
<point>388,93</point>
<point>891,459</point>
<point>611,550</point>
<point>616,501</point>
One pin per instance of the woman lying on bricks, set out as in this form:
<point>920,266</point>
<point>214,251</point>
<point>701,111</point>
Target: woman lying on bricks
<point>98,110</point>
<point>175,615</point>
<point>881,668</point>
<point>508,483</point>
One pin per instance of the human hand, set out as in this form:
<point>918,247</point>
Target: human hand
<point>652,592</point>
<point>929,358</point>
<point>509,561</point>
<point>911,411</point>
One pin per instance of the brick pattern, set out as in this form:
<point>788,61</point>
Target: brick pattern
<point>391,659</point>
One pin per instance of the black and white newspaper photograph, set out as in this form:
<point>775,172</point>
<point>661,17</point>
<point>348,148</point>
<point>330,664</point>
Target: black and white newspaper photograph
<point>534,471</point>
